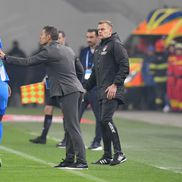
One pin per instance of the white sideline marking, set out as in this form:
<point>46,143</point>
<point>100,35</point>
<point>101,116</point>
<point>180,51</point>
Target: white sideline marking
<point>174,169</point>
<point>26,156</point>
<point>40,161</point>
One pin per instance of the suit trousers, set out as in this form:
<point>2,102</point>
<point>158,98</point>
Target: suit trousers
<point>91,98</point>
<point>74,140</point>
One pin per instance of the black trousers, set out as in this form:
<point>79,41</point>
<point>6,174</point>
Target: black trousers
<point>109,130</point>
<point>91,98</point>
<point>74,140</point>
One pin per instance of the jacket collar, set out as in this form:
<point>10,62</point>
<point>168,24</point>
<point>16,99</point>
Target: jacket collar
<point>53,42</point>
<point>114,36</point>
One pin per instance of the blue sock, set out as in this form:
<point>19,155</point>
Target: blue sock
<point>1,131</point>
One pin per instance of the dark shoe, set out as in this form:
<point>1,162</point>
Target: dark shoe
<point>65,163</point>
<point>0,163</point>
<point>78,166</point>
<point>118,159</point>
<point>38,140</point>
<point>61,144</point>
<point>103,161</point>
<point>95,146</point>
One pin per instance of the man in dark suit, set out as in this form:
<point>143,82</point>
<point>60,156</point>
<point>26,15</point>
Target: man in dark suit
<point>51,103</point>
<point>65,88</point>
<point>86,58</point>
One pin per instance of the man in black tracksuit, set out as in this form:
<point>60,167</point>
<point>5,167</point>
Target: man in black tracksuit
<point>110,69</point>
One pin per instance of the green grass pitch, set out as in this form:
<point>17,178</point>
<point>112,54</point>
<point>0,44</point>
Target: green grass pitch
<point>154,153</point>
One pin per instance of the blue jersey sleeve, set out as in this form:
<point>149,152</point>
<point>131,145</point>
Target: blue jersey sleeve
<point>3,74</point>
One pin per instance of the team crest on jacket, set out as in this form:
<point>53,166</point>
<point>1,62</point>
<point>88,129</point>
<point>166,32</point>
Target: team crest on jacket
<point>104,49</point>
<point>104,52</point>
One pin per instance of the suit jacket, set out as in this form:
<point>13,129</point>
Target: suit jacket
<point>59,62</point>
<point>83,60</point>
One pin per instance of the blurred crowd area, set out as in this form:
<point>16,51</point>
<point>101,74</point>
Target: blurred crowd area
<point>157,77</point>
<point>21,75</point>
<point>160,69</point>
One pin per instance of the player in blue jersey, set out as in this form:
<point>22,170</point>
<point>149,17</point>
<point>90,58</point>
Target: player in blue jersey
<point>4,93</point>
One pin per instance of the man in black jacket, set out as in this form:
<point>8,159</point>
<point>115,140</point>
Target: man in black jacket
<point>65,88</point>
<point>110,69</point>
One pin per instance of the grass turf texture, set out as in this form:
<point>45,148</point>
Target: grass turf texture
<point>148,148</point>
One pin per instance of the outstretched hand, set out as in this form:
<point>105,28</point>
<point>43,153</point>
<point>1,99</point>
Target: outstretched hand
<point>2,54</point>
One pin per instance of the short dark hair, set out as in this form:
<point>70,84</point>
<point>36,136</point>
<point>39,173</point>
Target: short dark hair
<point>62,32</point>
<point>93,30</point>
<point>52,31</point>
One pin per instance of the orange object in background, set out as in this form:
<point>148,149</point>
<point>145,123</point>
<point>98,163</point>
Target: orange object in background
<point>134,79</point>
<point>158,29</point>
<point>33,93</point>
<point>165,22</point>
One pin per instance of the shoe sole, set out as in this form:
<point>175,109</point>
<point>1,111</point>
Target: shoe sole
<point>100,164</point>
<point>36,142</point>
<point>72,168</point>
<point>60,167</point>
<point>97,149</point>
<point>61,147</point>
<point>119,162</point>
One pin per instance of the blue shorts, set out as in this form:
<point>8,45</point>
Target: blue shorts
<point>3,97</point>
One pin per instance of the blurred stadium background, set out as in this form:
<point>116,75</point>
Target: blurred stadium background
<point>151,140</point>
<point>22,20</point>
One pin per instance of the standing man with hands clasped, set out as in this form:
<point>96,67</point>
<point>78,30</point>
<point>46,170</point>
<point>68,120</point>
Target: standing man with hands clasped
<point>65,88</point>
<point>110,69</point>
<point>86,58</point>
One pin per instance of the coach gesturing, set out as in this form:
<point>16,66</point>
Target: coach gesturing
<point>59,62</point>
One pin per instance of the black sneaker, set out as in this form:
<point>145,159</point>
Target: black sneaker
<point>65,163</point>
<point>78,166</point>
<point>103,161</point>
<point>38,140</point>
<point>61,144</point>
<point>96,146</point>
<point>118,159</point>
<point>0,163</point>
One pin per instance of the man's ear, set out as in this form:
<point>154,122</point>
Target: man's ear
<point>49,36</point>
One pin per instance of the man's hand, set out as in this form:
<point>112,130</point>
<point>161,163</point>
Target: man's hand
<point>2,54</point>
<point>44,79</point>
<point>111,91</point>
